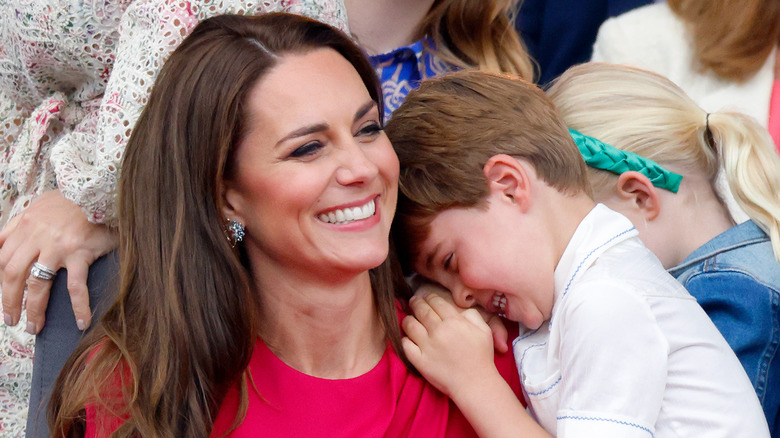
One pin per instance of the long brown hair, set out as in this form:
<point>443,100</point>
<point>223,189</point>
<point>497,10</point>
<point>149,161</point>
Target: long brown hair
<point>477,34</point>
<point>732,39</point>
<point>183,328</point>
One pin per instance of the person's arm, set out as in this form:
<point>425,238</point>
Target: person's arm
<point>54,232</point>
<point>453,349</point>
<point>73,226</point>
<point>745,320</point>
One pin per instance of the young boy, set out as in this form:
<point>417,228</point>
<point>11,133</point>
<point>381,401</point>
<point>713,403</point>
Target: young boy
<point>495,206</point>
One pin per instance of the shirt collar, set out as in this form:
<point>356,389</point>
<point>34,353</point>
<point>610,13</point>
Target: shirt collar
<point>600,230</point>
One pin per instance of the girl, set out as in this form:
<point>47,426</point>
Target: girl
<point>732,270</point>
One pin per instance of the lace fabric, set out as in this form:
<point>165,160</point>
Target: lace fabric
<point>74,78</point>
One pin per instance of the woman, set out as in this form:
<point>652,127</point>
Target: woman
<point>410,40</point>
<point>723,53</point>
<point>265,130</point>
<point>74,77</point>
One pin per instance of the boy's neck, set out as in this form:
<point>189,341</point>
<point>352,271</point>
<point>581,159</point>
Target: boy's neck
<point>564,214</point>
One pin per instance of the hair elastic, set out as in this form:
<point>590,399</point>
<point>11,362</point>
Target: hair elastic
<point>600,155</point>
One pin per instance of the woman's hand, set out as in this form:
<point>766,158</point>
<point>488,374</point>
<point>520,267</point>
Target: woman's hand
<point>54,232</point>
<point>500,336</point>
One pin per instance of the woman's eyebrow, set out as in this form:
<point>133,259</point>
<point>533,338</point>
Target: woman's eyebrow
<point>306,130</point>
<point>319,127</point>
<point>364,109</point>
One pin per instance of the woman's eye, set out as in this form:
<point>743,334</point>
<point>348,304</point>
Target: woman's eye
<point>371,130</point>
<point>310,148</point>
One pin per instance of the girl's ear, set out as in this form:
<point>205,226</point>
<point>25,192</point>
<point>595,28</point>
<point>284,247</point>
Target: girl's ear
<point>637,188</point>
<point>508,179</point>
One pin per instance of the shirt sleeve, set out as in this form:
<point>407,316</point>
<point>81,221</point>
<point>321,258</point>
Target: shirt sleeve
<point>614,360</point>
<point>86,161</point>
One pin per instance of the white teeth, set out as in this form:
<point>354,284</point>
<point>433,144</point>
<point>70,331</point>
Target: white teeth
<point>349,214</point>
<point>499,302</point>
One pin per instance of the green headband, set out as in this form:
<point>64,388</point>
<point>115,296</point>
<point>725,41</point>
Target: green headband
<point>602,156</point>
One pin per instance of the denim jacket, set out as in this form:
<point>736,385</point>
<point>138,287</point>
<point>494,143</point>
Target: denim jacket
<point>736,279</point>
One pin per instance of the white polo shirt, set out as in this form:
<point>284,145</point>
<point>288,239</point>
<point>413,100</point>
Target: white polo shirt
<point>627,351</point>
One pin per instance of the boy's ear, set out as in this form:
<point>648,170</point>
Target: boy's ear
<point>508,178</point>
<point>637,188</point>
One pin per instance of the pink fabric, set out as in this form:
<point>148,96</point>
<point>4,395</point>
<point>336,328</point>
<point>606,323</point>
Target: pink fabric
<point>774,115</point>
<point>387,401</point>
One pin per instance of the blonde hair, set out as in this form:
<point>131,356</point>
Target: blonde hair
<point>734,41</point>
<point>477,34</point>
<point>642,112</point>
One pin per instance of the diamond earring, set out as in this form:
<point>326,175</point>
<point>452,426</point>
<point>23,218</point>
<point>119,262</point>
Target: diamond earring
<point>235,232</point>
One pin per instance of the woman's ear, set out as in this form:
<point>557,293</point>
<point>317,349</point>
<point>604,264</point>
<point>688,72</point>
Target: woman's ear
<point>640,191</point>
<point>231,202</point>
<point>507,178</point>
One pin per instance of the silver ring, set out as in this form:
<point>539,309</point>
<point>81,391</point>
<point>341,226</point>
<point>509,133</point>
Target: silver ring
<point>40,271</point>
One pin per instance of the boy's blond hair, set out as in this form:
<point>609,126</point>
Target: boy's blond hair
<point>447,130</point>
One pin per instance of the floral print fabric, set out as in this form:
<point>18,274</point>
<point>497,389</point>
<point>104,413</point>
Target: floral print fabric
<point>74,77</point>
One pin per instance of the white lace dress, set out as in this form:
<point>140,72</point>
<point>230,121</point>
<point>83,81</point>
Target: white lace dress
<point>74,77</point>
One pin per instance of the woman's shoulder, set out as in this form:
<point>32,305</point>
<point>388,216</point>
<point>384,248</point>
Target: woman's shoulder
<point>643,37</point>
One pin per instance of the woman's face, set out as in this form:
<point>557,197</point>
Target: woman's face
<point>316,178</point>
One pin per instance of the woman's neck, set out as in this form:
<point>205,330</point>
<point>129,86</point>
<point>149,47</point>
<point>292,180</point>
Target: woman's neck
<point>383,25</point>
<point>328,331</point>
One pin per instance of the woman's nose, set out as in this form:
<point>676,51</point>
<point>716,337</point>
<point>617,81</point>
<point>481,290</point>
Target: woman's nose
<point>356,165</point>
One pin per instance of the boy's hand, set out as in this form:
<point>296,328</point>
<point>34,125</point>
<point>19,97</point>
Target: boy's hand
<point>451,347</point>
<point>500,335</point>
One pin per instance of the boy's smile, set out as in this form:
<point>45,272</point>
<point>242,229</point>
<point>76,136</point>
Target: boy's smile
<point>484,257</point>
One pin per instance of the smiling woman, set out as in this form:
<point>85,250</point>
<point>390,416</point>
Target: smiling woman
<point>314,148</point>
<point>256,199</point>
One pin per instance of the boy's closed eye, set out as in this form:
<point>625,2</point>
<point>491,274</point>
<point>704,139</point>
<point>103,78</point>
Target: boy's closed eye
<point>448,261</point>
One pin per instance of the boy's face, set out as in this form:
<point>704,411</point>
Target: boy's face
<point>495,258</point>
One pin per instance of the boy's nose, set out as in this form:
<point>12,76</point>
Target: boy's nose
<point>464,297</point>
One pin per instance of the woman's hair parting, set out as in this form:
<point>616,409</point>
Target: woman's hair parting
<point>642,112</point>
<point>732,39</point>
<point>447,130</point>
<point>477,34</point>
<point>183,328</point>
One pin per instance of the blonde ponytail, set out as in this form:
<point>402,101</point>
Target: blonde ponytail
<point>642,112</point>
<point>752,169</point>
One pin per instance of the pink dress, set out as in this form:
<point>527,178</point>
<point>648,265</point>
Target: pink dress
<point>387,401</point>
